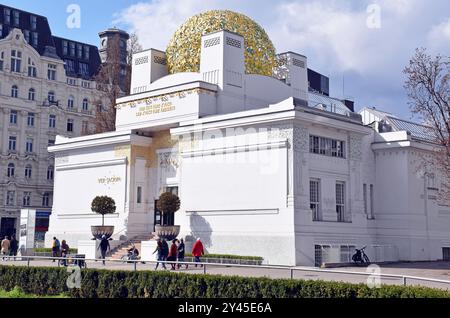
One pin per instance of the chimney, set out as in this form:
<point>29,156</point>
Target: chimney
<point>148,66</point>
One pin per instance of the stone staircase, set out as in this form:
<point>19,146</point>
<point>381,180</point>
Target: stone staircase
<point>122,249</point>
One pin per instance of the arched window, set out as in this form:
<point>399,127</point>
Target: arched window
<point>28,171</point>
<point>50,173</point>
<point>85,104</point>
<point>70,102</point>
<point>31,94</point>
<point>14,91</point>
<point>51,96</point>
<point>11,170</point>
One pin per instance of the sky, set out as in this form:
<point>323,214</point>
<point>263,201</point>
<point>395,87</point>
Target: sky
<point>362,45</point>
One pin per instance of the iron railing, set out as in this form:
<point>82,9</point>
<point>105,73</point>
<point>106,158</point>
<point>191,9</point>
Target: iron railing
<point>405,280</point>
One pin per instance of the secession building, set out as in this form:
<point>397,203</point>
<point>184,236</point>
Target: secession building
<point>47,88</point>
<point>265,162</point>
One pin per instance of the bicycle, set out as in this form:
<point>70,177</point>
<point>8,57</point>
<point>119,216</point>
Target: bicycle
<point>360,256</point>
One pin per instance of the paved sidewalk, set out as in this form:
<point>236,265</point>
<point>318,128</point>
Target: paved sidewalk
<point>434,270</point>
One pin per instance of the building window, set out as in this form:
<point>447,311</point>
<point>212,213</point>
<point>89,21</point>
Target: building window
<point>365,199</point>
<point>7,16</point>
<point>13,117</point>
<point>79,51</point>
<point>50,173</point>
<point>51,72</point>
<point>16,15</point>
<point>46,199</point>
<point>70,66</point>
<point>26,199</point>
<point>51,97</point>
<point>31,94</point>
<point>28,171</point>
<point>26,34</point>
<point>11,170</point>
<point>314,198</point>
<point>72,49</point>
<point>51,142</point>
<point>340,201</point>
<point>33,22</point>
<point>372,212</point>
<point>14,91</point>
<point>327,146</point>
<point>86,52</point>
<point>12,143</point>
<point>85,127</point>
<point>29,145</point>
<point>30,119</point>
<point>85,104</point>
<point>2,55</point>
<point>70,102</point>
<point>52,121</point>
<point>32,71</point>
<point>139,195</point>
<point>10,198</point>
<point>35,40</point>
<point>84,69</point>
<point>70,125</point>
<point>65,47</point>
<point>16,61</point>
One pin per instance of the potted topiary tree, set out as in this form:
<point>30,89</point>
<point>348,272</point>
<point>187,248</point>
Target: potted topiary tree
<point>168,203</point>
<point>103,205</point>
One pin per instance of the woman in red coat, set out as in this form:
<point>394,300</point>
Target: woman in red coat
<point>172,257</point>
<point>197,251</point>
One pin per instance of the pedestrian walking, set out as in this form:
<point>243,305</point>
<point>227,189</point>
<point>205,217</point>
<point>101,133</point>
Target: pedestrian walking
<point>197,251</point>
<point>13,247</point>
<point>172,257</point>
<point>104,247</point>
<point>55,248</point>
<point>164,250</point>
<point>181,253</point>
<point>64,251</point>
<point>5,247</point>
<point>159,251</point>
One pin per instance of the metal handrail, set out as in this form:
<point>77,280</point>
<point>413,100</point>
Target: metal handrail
<point>292,269</point>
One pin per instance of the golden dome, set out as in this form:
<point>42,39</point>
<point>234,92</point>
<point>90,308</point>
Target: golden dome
<point>183,51</point>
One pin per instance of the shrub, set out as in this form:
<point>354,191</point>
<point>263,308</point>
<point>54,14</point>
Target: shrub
<point>103,205</point>
<point>46,281</point>
<point>168,203</point>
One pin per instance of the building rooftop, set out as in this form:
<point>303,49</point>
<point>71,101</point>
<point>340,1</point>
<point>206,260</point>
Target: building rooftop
<point>37,32</point>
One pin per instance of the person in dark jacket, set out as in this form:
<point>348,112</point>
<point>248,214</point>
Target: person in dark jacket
<point>64,251</point>
<point>181,253</point>
<point>13,247</point>
<point>172,257</point>
<point>104,247</point>
<point>159,251</point>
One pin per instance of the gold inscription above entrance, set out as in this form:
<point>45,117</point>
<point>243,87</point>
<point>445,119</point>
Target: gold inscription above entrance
<point>155,109</point>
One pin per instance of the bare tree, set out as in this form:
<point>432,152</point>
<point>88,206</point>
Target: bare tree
<point>428,89</point>
<point>112,82</point>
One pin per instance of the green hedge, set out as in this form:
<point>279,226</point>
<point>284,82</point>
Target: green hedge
<point>228,256</point>
<point>150,284</point>
<point>223,256</point>
<point>49,250</point>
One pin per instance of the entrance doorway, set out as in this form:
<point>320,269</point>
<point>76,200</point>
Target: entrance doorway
<point>167,219</point>
<point>7,227</point>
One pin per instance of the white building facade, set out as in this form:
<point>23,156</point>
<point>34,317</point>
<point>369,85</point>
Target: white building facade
<point>262,167</point>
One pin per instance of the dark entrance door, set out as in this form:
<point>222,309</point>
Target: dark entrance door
<point>7,227</point>
<point>166,219</point>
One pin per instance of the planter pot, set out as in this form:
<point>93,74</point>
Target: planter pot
<point>167,232</point>
<point>98,231</point>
